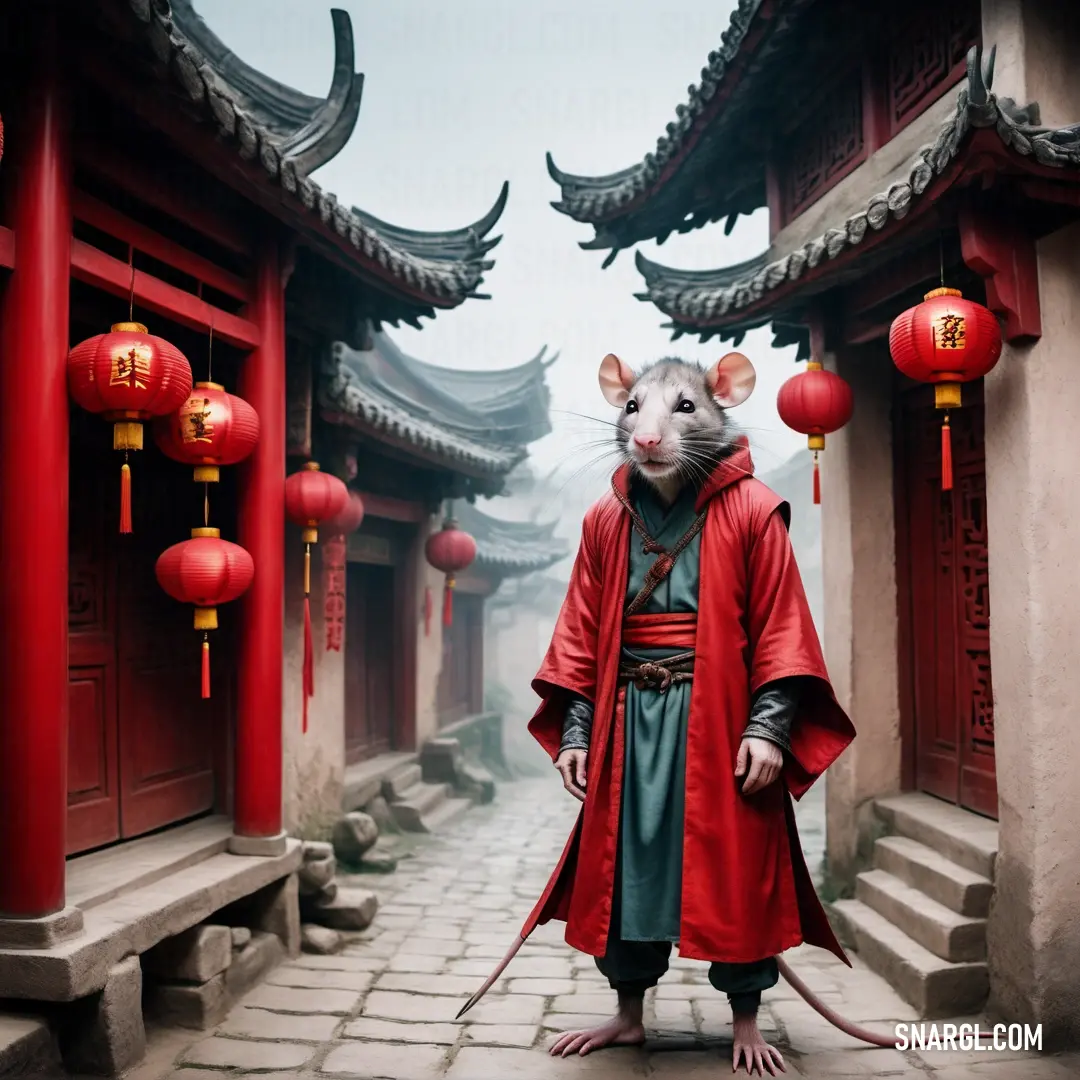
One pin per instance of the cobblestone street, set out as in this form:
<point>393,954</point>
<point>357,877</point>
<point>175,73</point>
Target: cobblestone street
<point>384,1008</point>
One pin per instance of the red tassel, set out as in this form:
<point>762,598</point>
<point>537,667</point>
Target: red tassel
<point>817,483</point>
<point>205,668</point>
<point>308,689</point>
<point>428,606</point>
<point>946,455</point>
<point>448,605</point>
<point>125,498</point>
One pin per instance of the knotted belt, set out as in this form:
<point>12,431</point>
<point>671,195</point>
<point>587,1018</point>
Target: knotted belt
<point>677,630</point>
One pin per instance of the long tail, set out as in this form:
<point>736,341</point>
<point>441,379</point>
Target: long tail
<point>491,979</point>
<point>804,991</point>
<point>834,1018</point>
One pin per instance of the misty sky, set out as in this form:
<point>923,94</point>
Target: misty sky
<point>460,96</point>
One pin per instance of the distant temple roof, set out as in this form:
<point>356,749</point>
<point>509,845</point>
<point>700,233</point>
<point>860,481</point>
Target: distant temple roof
<point>732,300</point>
<point>290,134</point>
<point>510,548</point>
<point>482,420</point>
<point>704,168</point>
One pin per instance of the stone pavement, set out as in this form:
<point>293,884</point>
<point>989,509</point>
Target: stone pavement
<point>384,1008</point>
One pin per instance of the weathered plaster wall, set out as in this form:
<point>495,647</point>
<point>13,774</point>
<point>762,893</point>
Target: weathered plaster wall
<point>1033,505</point>
<point>314,762</point>
<point>428,648</point>
<point>1033,500</point>
<point>860,639</point>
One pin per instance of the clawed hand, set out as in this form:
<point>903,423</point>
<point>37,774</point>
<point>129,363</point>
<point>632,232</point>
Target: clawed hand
<point>765,760</point>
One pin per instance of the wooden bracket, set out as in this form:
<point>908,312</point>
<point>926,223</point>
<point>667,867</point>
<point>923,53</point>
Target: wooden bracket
<point>1002,253</point>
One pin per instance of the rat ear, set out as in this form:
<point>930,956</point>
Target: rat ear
<point>616,380</point>
<point>731,380</point>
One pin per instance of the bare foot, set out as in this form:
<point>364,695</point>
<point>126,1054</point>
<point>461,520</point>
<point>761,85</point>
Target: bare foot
<point>750,1046</point>
<point>625,1029</point>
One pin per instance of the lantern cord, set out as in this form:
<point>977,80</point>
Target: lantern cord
<point>205,665</point>
<point>307,569</point>
<point>817,481</point>
<point>206,505</point>
<point>946,455</point>
<point>308,688</point>
<point>448,602</point>
<point>941,256</point>
<point>131,291</point>
<point>210,353</point>
<point>125,496</point>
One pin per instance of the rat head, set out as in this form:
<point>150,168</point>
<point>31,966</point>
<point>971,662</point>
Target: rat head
<point>673,425</point>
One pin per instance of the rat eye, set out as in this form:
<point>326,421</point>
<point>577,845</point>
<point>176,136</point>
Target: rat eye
<point>631,406</point>
<point>686,405</point>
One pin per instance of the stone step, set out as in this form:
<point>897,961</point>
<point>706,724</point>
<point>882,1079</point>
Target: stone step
<point>966,838</point>
<point>934,988</point>
<point>934,926</point>
<point>27,1048</point>
<point>444,815</point>
<point>416,803</point>
<point>396,785</point>
<point>959,889</point>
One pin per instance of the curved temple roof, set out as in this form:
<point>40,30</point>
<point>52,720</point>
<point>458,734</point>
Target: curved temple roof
<point>634,204</point>
<point>290,134</point>
<point>308,131</point>
<point>729,301</point>
<point>480,419</point>
<point>510,548</point>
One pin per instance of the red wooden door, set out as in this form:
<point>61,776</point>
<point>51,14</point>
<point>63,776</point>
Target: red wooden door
<point>461,678</point>
<point>371,697</point>
<point>166,730</point>
<point>93,772</point>
<point>942,563</point>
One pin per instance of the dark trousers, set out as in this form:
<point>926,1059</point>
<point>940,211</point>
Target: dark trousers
<point>632,967</point>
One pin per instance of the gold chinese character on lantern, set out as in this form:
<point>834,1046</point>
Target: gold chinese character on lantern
<point>131,366</point>
<point>949,331</point>
<point>196,420</point>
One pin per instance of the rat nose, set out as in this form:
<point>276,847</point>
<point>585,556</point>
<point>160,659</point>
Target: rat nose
<point>646,440</point>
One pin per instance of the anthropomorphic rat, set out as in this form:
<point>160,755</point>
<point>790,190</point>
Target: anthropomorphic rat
<point>685,701</point>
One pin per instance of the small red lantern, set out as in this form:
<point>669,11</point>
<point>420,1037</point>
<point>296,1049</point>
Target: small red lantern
<point>946,340</point>
<point>312,497</point>
<point>349,519</point>
<point>212,428</point>
<point>450,550</point>
<point>205,571</point>
<point>815,403</point>
<point>129,376</point>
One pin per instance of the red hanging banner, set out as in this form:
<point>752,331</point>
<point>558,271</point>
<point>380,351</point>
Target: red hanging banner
<point>334,548</point>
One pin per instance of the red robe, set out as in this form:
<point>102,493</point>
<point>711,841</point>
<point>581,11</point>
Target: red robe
<point>746,891</point>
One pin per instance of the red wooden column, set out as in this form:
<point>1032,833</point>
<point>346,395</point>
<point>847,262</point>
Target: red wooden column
<point>257,796</point>
<point>34,495</point>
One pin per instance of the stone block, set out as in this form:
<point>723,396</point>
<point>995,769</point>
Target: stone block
<point>103,1033</point>
<point>241,935</point>
<point>251,965</point>
<point>353,835</point>
<point>194,956</point>
<point>378,809</point>
<point>378,860</point>
<point>243,1055</point>
<point>440,760</point>
<point>320,939</point>
<point>41,933</point>
<point>195,1006</point>
<point>318,868</point>
<point>476,782</point>
<point>27,1047</point>
<point>276,910</point>
<point>351,909</point>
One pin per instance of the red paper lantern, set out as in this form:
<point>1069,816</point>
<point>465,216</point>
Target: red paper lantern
<point>205,571</point>
<point>212,428</point>
<point>128,376</point>
<point>815,403</point>
<point>311,497</point>
<point>450,550</point>
<point>349,519</point>
<point>946,340</point>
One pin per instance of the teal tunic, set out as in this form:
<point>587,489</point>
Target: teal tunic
<point>654,785</point>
